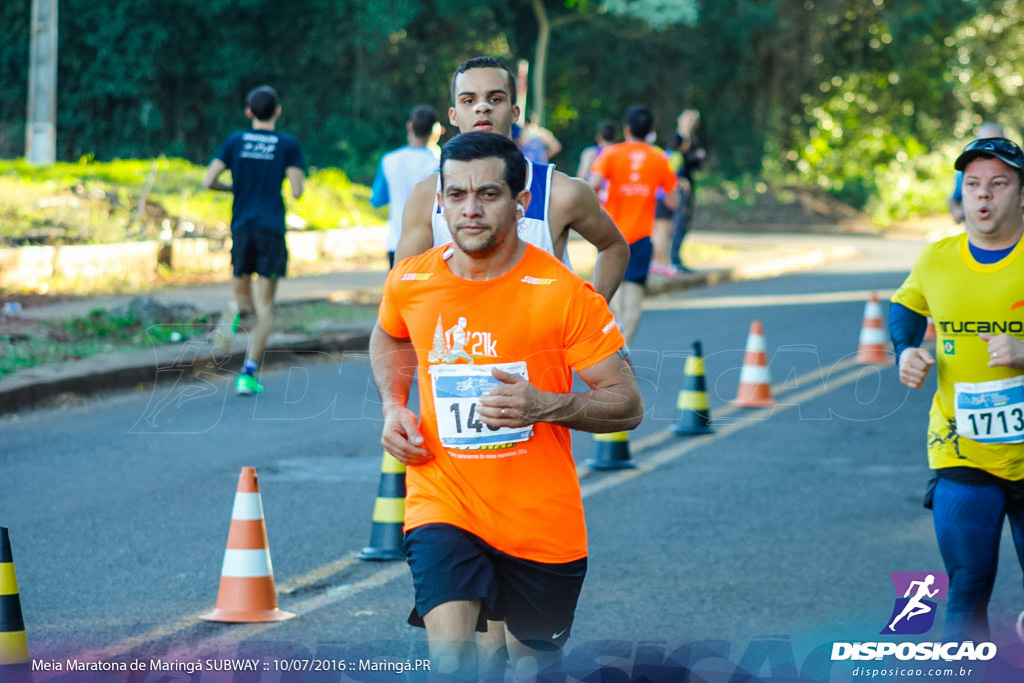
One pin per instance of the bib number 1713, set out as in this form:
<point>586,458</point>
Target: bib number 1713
<point>991,412</point>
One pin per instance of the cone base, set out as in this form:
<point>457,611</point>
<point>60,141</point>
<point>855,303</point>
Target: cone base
<point>873,358</point>
<point>13,646</point>
<point>691,430</point>
<point>607,465</point>
<point>239,616</point>
<point>753,395</point>
<point>380,554</point>
<point>753,402</point>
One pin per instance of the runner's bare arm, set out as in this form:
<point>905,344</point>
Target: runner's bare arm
<point>574,205</point>
<point>673,199</point>
<point>211,181</point>
<point>296,178</point>
<point>613,403</point>
<point>393,362</point>
<point>417,230</point>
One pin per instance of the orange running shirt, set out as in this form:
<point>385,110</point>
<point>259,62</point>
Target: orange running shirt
<point>634,171</point>
<point>522,498</point>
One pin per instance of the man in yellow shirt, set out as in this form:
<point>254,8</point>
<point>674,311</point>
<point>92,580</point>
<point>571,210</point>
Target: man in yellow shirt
<point>972,285</point>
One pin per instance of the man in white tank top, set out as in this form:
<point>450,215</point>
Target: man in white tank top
<point>483,98</point>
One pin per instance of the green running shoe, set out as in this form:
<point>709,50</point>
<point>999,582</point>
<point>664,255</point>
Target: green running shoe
<point>247,385</point>
<point>235,323</point>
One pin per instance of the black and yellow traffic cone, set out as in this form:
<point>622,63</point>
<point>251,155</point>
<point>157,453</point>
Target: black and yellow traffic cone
<point>611,452</point>
<point>388,514</point>
<point>14,659</point>
<point>694,411</point>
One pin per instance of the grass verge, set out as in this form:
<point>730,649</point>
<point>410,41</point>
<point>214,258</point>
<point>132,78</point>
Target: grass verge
<point>103,331</point>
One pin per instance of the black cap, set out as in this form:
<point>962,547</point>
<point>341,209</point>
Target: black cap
<point>999,148</point>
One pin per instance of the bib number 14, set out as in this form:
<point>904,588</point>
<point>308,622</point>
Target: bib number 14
<point>457,391</point>
<point>472,422</point>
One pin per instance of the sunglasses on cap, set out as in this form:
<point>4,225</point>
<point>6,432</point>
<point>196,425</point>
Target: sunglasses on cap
<point>1000,148</point>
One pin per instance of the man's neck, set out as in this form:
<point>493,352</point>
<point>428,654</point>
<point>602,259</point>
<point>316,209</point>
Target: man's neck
<point>995,241</point>
<point>414,141</point>
<point>263,125</point>
<point>489,267</point>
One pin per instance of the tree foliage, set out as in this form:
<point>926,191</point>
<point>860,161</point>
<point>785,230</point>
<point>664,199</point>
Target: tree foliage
<point>843,94</point>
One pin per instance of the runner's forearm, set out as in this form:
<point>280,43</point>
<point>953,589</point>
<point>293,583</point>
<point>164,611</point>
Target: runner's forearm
<point>597,411</point>
<point>609,268</point>
<point>393,362</point>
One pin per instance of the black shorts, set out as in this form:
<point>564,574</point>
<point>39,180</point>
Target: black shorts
<point>537,601</point>
<point>259,251</point>
<point>640,253</point>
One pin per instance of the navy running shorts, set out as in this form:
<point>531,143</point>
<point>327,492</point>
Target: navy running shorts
<point>537,601</point>
<point>254,250</point>
<point>640,253</point>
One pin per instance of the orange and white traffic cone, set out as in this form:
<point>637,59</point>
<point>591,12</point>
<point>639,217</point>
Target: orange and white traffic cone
<point>873,348</point>
<point>755,390</point>
<point>247,592</point>
<point>14,659</point>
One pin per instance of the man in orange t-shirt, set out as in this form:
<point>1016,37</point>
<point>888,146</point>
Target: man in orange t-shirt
<point>494,328</point>
<point>634,171</point>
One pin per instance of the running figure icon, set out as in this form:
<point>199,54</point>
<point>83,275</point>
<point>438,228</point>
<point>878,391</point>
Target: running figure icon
<point>915,606</point>
<point>458,346</point>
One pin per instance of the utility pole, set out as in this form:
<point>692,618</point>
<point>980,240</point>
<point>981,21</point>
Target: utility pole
<point>41,119</point>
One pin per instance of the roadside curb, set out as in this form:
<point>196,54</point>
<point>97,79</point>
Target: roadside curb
<point>191,358</point>
<point>107,372</point>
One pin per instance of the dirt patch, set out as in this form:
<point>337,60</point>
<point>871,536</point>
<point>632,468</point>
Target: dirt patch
<point>16,328</point>
<point>30,300</point>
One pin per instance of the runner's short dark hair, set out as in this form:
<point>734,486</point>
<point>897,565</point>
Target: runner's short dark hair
<point>262,102</point>
<point>639,120</point>
<point>484,145</point>
<point>608,130</point>
<point>423,119</point>
<point>486,63</point>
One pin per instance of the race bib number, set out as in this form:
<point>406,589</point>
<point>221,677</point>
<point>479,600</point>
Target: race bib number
<point>991,412</point>
<point>457,392</point>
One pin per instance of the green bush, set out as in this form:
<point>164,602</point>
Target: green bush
<point>914,189</point>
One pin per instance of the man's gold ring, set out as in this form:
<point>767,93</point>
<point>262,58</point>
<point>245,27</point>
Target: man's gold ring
<point>503,412</point>
<point>995,355</point>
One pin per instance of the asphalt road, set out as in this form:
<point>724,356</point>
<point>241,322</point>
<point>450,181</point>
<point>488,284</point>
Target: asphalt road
<point>755,547</point>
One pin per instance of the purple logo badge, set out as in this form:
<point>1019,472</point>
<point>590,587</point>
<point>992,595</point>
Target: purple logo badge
<point>916,593</point>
